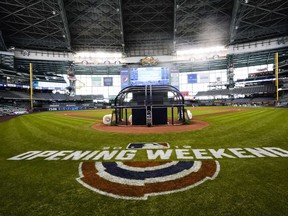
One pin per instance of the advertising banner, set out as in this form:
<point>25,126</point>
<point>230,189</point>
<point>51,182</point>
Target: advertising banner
<point>174,77</point>
<point>108,81</point>
<point>124,75</point>
<point>192,78</point>
<point>204,78</point>
<point>96,81</point>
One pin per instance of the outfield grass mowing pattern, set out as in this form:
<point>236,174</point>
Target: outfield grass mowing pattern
<point>255,186</point>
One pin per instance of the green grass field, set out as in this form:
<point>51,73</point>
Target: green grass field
<point>250,186</point>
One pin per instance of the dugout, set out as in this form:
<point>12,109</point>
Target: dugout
<point>149,105</point>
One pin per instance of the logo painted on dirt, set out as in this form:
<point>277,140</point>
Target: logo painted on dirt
<point>139,180</point>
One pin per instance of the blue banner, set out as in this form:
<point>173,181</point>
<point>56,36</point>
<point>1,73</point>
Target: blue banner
<point>124,75</point>
<point>108,81</point>
<point>192,78</point>
<point>35,83</point>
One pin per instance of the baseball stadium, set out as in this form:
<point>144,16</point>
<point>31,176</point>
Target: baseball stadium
<point>131,108</point>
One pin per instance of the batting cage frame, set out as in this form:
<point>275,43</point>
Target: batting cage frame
<point>149,105</point>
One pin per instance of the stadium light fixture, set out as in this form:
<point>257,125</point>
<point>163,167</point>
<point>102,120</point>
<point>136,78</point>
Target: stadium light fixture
<point>97,57</point>
<point>203,50</point>
<point>98,54</point>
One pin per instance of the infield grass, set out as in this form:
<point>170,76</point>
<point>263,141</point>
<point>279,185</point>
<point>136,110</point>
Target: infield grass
<point>253,186</point>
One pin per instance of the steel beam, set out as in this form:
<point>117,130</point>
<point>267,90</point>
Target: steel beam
<point>233,25</point>
<point>65,22</point>
<point>174,26</point>
<point>121,26</point>
<point>2,43</point>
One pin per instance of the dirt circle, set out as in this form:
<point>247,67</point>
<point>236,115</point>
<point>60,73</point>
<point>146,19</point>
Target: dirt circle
<point>194,125</point>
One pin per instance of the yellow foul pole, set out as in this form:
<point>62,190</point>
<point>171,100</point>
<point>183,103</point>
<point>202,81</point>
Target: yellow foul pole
<point>276,76</point>
<point>31,87</point>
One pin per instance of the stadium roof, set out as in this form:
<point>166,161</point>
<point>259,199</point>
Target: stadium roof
<point>138,27</point>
